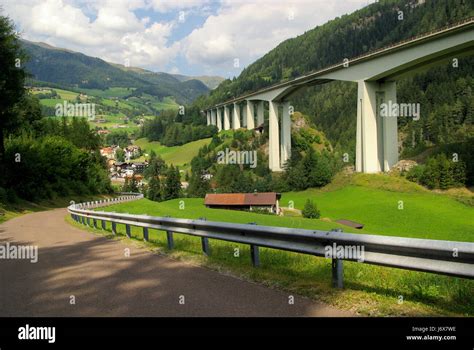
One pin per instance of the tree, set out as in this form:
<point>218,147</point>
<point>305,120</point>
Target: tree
<point>156,167</point>
<point>310,210</point>
<point>172,187</point>
<point>130,185</point>
<point>119,138</point>
<point>154,189</point>
<point>120,155</point>
<point>12,81</point>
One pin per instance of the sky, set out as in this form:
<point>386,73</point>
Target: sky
<point>190,37</point>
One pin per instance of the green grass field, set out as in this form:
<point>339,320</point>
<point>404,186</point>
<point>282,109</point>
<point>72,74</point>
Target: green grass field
<point>109,93</point>
<point>424,215</point>
<point>116,103</point>
<point>108,98</point>
<point>176,155</point>
<point>369,290</point>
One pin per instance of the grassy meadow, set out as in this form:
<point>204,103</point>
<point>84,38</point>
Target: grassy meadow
<point>176,155</point>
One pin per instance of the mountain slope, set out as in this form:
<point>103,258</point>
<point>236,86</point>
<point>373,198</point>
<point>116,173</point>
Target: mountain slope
<point>76,70</point>
<point>210,81</point>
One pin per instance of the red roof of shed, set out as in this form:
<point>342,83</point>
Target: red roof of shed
<point>267,198</point>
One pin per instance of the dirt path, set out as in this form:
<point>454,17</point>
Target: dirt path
<point>104,282</point>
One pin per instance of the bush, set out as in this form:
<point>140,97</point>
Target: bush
<point>439,172</point>
<point>415,174</point>
<point>310,210</point>
<point>51,166</point>
<point>3,195</point>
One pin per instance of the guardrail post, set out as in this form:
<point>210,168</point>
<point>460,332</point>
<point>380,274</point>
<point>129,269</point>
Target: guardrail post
<point>114,227</point>
<point>337,273</point>
<point>169,236</point>
<point>205,246</point>
<point>103,224</point>
<point>127,231</point>
<point>95,223</point>
<point>255,255</point>
<point>83,219</point>
<point>254,251</point>
<point>145,234</point>
<point>88,221</point>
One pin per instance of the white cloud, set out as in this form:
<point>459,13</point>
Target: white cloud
<point>248,29</point>
<point>111,29</point>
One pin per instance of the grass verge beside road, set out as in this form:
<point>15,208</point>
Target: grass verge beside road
<point>10,210</point>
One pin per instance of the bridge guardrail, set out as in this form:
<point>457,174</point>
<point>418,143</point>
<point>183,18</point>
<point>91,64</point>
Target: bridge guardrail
<point>435,256</point>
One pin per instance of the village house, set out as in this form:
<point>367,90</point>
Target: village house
<point>126,169</point>
<point>139,167</point>
<point>138,178</point>
<point>132,151</point>
<point>103,132</point>
<point>244,201</point>
<point>108,152</point>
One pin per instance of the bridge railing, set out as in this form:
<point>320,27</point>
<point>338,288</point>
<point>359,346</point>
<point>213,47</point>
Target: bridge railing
<point>435,256</point>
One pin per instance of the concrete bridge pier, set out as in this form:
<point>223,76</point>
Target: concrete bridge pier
<point>219,119</point>
<point>208,117</point>
<point>236,117</point>
<point>377,137</point>
<point>274,137</point>
<point>213,117</point>
<point>249,114</point>
<point>285,134</point>
<point>260,113</point>
<point>226,118</point>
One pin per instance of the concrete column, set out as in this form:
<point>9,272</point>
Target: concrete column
<point>236,119</point>
<point>274,137</point>
<point>377,137</point>
<point>219,119</point>
<point>285,134</point>
<point>226,118</point>
<point>260,113</point>
<point>250,115</point>
<point>390,129</point>
<point>244,116</point>
<point>213,117</point>
<point>366,143</point>
<point>358,150</point>
<point>208,117</point>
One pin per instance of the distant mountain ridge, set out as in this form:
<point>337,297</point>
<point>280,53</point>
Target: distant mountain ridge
<point>63,67</point>
<point>211,81</point>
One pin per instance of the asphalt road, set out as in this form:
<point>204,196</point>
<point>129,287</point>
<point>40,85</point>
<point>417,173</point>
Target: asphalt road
<point>94,272</point>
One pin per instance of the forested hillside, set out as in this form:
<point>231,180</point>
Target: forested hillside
<point>444,93</point>
<point>69,69</point>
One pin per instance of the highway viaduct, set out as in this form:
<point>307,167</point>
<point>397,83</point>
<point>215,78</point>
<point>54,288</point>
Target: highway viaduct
<point>376,74</point>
